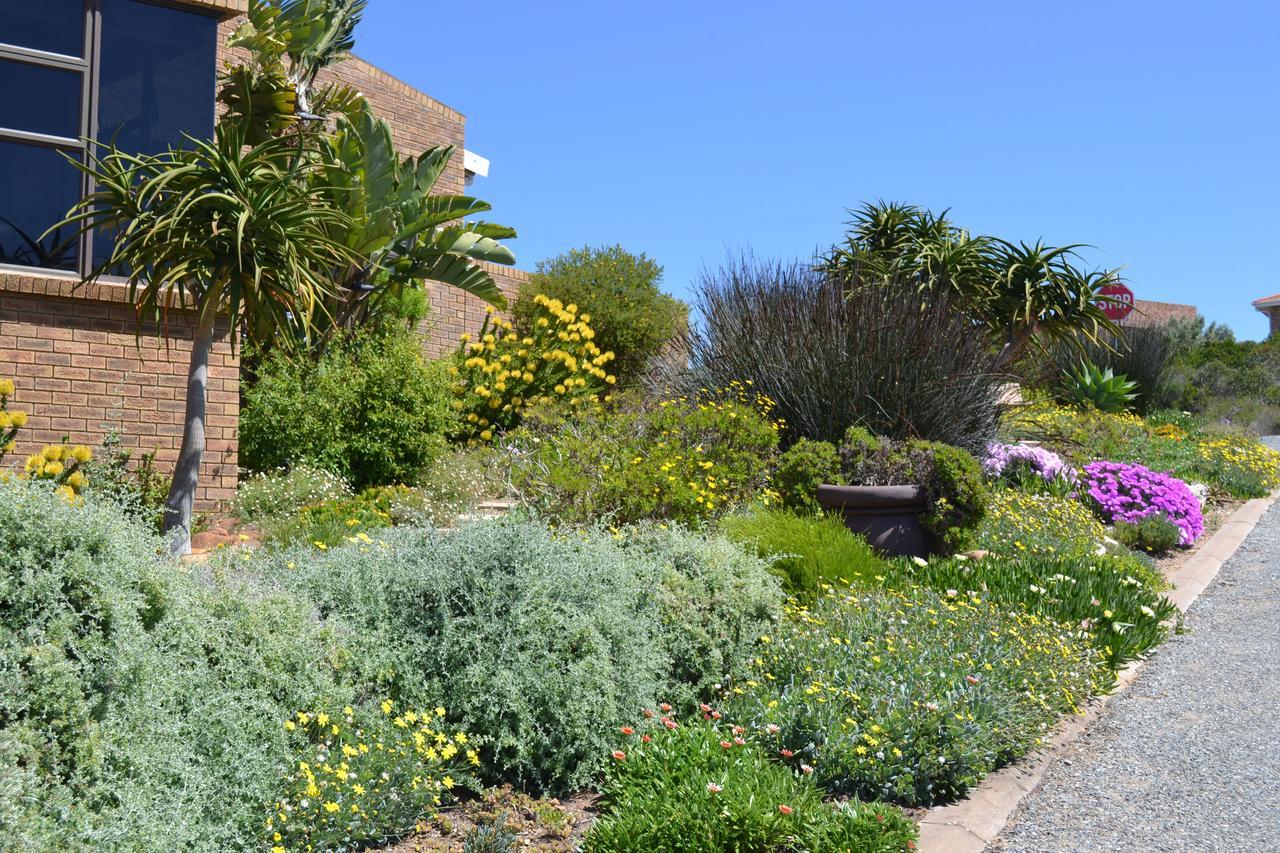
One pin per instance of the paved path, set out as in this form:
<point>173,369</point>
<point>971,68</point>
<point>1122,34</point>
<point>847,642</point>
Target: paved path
<point>1188,758</point>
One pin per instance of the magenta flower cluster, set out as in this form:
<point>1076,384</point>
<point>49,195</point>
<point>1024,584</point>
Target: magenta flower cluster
<point>1007,460</point>
<point>1123,491</point>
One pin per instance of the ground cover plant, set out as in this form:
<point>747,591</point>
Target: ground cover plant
<point>687,459</point>
<point>698,783</point>
<point>912,696</point>
<point>358,777</point>
<point>1130,493</point>
<point>806,551</point>
<point>1019,523</point>
<point>1229,461</point>
<point>1115,600</point>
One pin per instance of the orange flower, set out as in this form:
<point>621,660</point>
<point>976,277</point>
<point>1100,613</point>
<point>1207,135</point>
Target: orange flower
<point>785,809</point>
<point>619,755</point>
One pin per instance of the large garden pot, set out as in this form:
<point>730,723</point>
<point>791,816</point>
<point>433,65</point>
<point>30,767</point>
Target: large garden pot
<point>888,516</point>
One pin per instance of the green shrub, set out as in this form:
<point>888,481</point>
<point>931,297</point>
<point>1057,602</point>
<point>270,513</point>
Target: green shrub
<point>371,410</point>
<point>680,460</point>
<point>715,601</point>
<point>540,643</point>
<point>632,318</point>
<point>806,551</point>
<point>1154,534</point>
<point>702,785</point>
<point>951,478</point>
<point>1116,599</point>
<point>913,696</point>
<point>272,494</point>
<point>803,467</point>
<point>1019,524</point>
<point>140,699</point>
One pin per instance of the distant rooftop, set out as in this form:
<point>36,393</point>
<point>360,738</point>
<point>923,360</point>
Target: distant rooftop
<point>1149,313</point>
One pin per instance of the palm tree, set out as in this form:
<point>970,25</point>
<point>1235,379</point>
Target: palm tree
<point>1023,294</point>
<point>235,233</point>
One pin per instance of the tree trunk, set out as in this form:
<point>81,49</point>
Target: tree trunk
<point>186,475</point>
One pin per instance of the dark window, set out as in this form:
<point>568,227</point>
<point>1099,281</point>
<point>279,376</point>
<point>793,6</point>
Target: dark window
<point>158,76</point>
<point>153,73</point>
<point>57,109</point>
<point>56,26</point>
<point>37,186</point>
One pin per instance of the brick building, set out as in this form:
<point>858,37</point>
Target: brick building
<point>1270,305</point>
<point>142,73</point>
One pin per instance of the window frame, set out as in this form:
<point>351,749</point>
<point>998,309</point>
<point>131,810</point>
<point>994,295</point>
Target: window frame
<point>89,66</point>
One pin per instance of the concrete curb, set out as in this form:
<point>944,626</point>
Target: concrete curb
<point>969,825</point>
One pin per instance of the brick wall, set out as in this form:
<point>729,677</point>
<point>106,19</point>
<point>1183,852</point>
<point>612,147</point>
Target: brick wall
<point>454,312</point>
<point>80,370</point>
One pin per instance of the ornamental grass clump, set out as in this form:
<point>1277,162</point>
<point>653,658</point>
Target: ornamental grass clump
<point>502,373</point>
<point>358,777</point>
<point>1126,492</point>
<point>700,783</point>
<point>912,696</point>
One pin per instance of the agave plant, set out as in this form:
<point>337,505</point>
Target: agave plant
<point>1105,390</point>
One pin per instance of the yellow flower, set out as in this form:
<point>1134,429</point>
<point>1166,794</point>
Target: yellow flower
<point>331,807</point>
<point>82,453</point>
<point>387,705</point>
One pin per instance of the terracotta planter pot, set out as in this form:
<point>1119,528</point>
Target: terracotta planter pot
<point>888,516</point>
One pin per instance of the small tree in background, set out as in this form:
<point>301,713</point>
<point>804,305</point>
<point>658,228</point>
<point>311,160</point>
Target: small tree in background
<point>631,316</point>
<point>1025,295</point>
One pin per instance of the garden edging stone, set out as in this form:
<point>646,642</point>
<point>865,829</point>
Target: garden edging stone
<point>969,825</point>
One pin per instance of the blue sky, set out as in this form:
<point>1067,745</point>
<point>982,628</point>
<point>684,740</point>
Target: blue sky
<point>691,130</point>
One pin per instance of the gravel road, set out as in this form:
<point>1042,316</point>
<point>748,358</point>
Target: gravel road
<point>1188,758</point>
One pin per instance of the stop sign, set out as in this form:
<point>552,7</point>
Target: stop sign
<point>1119,303</point>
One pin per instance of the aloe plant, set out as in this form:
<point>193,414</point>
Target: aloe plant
<point>1105,390</point>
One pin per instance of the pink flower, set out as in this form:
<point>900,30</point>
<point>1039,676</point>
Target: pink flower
<point>706,709</point>
<point>619,755</point>
<point>737,730</point>
<point>726,744</point>
<point>627,730</point>
<point>785,809</point>
<point>714,788</point>
<point>739,741</point>
<point>806,769</point>
<point>648,715</point>
<point>645,738</point>
<point>785,753</point>
<point>972,679</point>
<point>666,709</point>
<point>669,723</point>
<point>772,728</point>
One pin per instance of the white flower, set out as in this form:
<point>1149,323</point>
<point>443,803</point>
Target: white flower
<point>1147,610</point>
<point>920,562</point>
<point>1101,550</point>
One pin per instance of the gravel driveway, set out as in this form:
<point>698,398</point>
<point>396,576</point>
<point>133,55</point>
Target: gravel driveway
<point>1188,759</point>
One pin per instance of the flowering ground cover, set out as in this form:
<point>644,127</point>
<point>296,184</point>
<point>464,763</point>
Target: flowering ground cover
<point>1129,493</point>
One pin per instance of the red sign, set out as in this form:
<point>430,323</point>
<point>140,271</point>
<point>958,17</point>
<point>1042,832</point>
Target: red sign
<point>1119,302</point>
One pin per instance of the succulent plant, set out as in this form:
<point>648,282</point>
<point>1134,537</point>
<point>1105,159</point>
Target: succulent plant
<point>1106,390</point>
